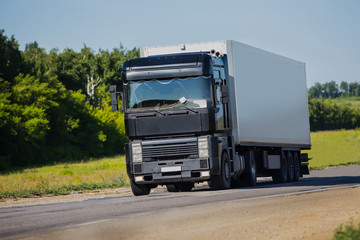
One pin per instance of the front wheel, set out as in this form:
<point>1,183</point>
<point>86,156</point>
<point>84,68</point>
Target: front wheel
<point>223,180</point>
<point>139,189</point>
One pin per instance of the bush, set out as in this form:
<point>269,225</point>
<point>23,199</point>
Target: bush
<point>349,232</point>
<point>327,115</point>
<point>42,123</point>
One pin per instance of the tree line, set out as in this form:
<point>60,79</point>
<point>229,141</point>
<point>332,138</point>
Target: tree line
<point>55,106</point>
<point>325,114</point>
<point>333,90</point>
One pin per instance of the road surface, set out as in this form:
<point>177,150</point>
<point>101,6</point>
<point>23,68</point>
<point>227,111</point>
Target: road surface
<point>129,217</point>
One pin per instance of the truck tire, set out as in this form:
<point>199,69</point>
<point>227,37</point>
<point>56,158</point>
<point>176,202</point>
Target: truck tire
<point>139,189</point>
<point>172,188</point>
<point>223,180</point>
<point>236,182</point>
<point>249,177</point>
<point>297,168</point>
<point>280,175</point>
<point>291,167</point>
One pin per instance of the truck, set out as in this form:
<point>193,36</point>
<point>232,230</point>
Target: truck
<point>221,112</point>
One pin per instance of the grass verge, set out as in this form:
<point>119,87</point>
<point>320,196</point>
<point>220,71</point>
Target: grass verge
<point>60,190</point>
<point>334,148</point>
<point>62,179</point>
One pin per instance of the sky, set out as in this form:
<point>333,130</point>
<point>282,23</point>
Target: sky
<point>324,34</point>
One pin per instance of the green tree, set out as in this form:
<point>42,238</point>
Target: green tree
<point>316,90</point>
<point>117,57</point>
<point>93,65</point>
<point>10,57</point>
<point>25,124</point>
<point>331,89</point>
<point>69,69</point>
<point>36,61</point>
<point>344,87</point>
<point>354,89</point>
<point>103,68</point>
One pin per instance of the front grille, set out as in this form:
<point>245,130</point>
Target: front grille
<point>172,148</point>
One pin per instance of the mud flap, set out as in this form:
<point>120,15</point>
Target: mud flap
<point>304,158</point>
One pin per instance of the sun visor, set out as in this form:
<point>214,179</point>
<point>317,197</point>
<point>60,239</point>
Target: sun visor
<point>167,66</point>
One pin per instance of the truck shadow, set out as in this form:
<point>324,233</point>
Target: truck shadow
<point>327,182</point>
<point>314,181</point>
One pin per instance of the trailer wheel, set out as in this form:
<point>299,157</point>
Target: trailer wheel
<point>139,189</point>
<point>291,167</point>
<point>297,169</point>
<point>249,177</point>
<point>280,175</point>
<point>223,180</point>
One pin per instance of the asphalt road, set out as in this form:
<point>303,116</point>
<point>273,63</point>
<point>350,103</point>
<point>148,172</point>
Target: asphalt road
<point>22,221</point>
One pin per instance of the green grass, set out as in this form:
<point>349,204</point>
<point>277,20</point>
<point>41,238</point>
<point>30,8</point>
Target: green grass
<point>349,232</point>
<point>334,148</point>
<point>62,179</point>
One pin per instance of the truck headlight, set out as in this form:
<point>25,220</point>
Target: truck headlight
<point>136,152</point>
<point>203,147</point>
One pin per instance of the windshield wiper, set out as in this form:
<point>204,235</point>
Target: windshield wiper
<point>159,112</point>
<point>156,109</point>
<point>183,101</point>
<point>194,111</point>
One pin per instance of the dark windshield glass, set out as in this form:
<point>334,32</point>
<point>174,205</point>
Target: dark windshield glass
<point>194,92</point>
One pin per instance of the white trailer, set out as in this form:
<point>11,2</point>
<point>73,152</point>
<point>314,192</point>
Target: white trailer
<point>222,112</point>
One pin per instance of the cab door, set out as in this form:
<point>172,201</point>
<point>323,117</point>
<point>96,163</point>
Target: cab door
<point>222,98</point>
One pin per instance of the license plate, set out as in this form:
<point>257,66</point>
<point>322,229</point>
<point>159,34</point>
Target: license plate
<point>171,169</point>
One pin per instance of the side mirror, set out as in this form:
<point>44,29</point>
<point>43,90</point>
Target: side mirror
<point>216,93</point>
<point>114,98</point>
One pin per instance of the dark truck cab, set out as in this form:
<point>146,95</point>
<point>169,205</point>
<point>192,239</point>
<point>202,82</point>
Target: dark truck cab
<point>177,120</point>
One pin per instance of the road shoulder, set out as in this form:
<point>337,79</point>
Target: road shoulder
<point>313,215</point>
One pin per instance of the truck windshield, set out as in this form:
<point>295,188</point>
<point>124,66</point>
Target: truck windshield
<point>178,93</point>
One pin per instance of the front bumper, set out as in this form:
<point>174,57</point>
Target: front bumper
<point>172,171</point>
<point>160,166</point>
